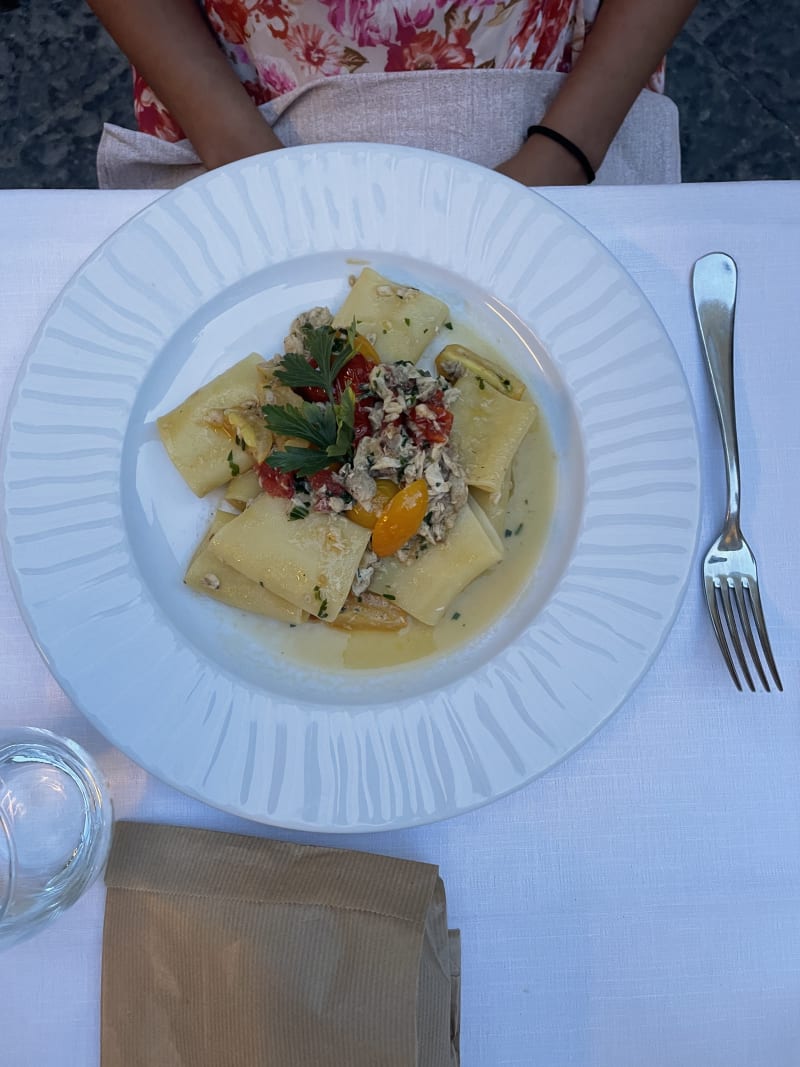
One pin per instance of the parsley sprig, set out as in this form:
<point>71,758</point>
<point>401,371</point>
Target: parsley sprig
<point>329,349</point>
<point>328,427</point>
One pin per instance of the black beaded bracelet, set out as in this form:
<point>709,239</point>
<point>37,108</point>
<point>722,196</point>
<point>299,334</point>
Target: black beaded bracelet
<point>570,147</point>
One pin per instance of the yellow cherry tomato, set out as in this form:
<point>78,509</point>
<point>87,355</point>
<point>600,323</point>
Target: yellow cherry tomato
<point>362,347</point>
<point>400,519</point>
<point>368,516</point>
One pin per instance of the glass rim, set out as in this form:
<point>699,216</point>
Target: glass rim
<point>7,894</point>
<point>31,744</point>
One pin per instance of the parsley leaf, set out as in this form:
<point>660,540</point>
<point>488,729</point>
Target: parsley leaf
<point>234,466</point>
<point>327,427</point>
<point>296,371</point>
<point>345,414</point>
<point>315,423</point>
<point>328,353</point>
<point>300,461</point>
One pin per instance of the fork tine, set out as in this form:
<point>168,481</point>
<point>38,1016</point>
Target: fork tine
<point>744,615</point>
<point>761,626</point>
<point>713,611</point>
<point>725,594</point>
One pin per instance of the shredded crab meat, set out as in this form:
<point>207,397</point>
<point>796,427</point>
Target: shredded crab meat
<point>391,452</point>
<point>364,573</point>
<point>452,369</point>
<point>360,485</point>
<point>295,340</point>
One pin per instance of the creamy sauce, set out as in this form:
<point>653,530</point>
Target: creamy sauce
<point>530,511</point>
<point>523,533</point>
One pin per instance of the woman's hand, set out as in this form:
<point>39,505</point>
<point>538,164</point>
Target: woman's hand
<point>624,47</point>
<point>541,161</point>
<point>176,53</point>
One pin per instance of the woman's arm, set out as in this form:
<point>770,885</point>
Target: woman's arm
<point>624,47</point>
<point>170,44</point>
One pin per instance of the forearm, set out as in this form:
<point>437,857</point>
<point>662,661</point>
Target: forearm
<point>624,47</point>
<point>170,44</point>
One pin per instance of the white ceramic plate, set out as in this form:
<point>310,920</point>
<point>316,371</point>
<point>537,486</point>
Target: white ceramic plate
<point>99,526</point>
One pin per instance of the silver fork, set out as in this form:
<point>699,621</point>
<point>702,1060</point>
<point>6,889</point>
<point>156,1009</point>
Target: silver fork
<point>729,569</point>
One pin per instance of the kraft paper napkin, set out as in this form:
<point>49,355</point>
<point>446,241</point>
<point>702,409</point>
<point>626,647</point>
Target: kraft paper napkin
<point>223,949</point>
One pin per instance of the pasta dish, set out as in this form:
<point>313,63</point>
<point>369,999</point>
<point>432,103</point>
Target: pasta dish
<point>362,489</point>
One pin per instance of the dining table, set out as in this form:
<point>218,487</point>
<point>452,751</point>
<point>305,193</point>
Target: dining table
<point>637,905</point>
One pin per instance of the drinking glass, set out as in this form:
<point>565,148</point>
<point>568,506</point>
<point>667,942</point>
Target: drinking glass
<point>55,828</point>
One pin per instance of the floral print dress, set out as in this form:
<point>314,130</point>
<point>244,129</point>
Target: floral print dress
<point>276,45</point>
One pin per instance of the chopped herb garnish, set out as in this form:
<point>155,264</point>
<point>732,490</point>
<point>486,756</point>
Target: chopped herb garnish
<point>389,596</point>
<point>232,464</point>
<point>518,530</point>
<point>481,382</point>
<point>323,603</point>
<point>456,615</point>
<point>299,511</point>
<point>327,427</point>
<point>407,322</point>
<point>448,325</point>
<point>508,533</point>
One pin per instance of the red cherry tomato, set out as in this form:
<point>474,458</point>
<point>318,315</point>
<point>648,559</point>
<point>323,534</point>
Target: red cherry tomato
<point>434,424</point>
<point>355,373</point>
<point>324,481</point>
<point>275,482</point>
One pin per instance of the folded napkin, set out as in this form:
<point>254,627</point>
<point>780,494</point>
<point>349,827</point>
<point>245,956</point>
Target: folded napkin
<point>479,115</point>
<point>222,949</point>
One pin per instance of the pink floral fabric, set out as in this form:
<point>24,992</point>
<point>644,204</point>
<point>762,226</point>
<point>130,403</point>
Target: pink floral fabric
<point>276,45</point>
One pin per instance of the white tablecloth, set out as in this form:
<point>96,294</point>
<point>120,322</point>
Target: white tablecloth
<point>640,903</point>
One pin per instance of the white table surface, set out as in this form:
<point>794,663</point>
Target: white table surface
<point>640,903</point>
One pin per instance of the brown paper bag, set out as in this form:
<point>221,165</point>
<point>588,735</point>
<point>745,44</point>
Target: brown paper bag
<point>223,949</point>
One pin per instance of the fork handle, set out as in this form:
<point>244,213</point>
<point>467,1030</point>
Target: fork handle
<point>714,290</point>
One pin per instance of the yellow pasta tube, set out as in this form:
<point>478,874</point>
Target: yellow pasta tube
<point>242,489</point>
<point>427,587</point>
<point>207,574</point>
<point>488,428</point>
<point>399,320</point>
<point>193,434</point>
<point>310,562</point>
